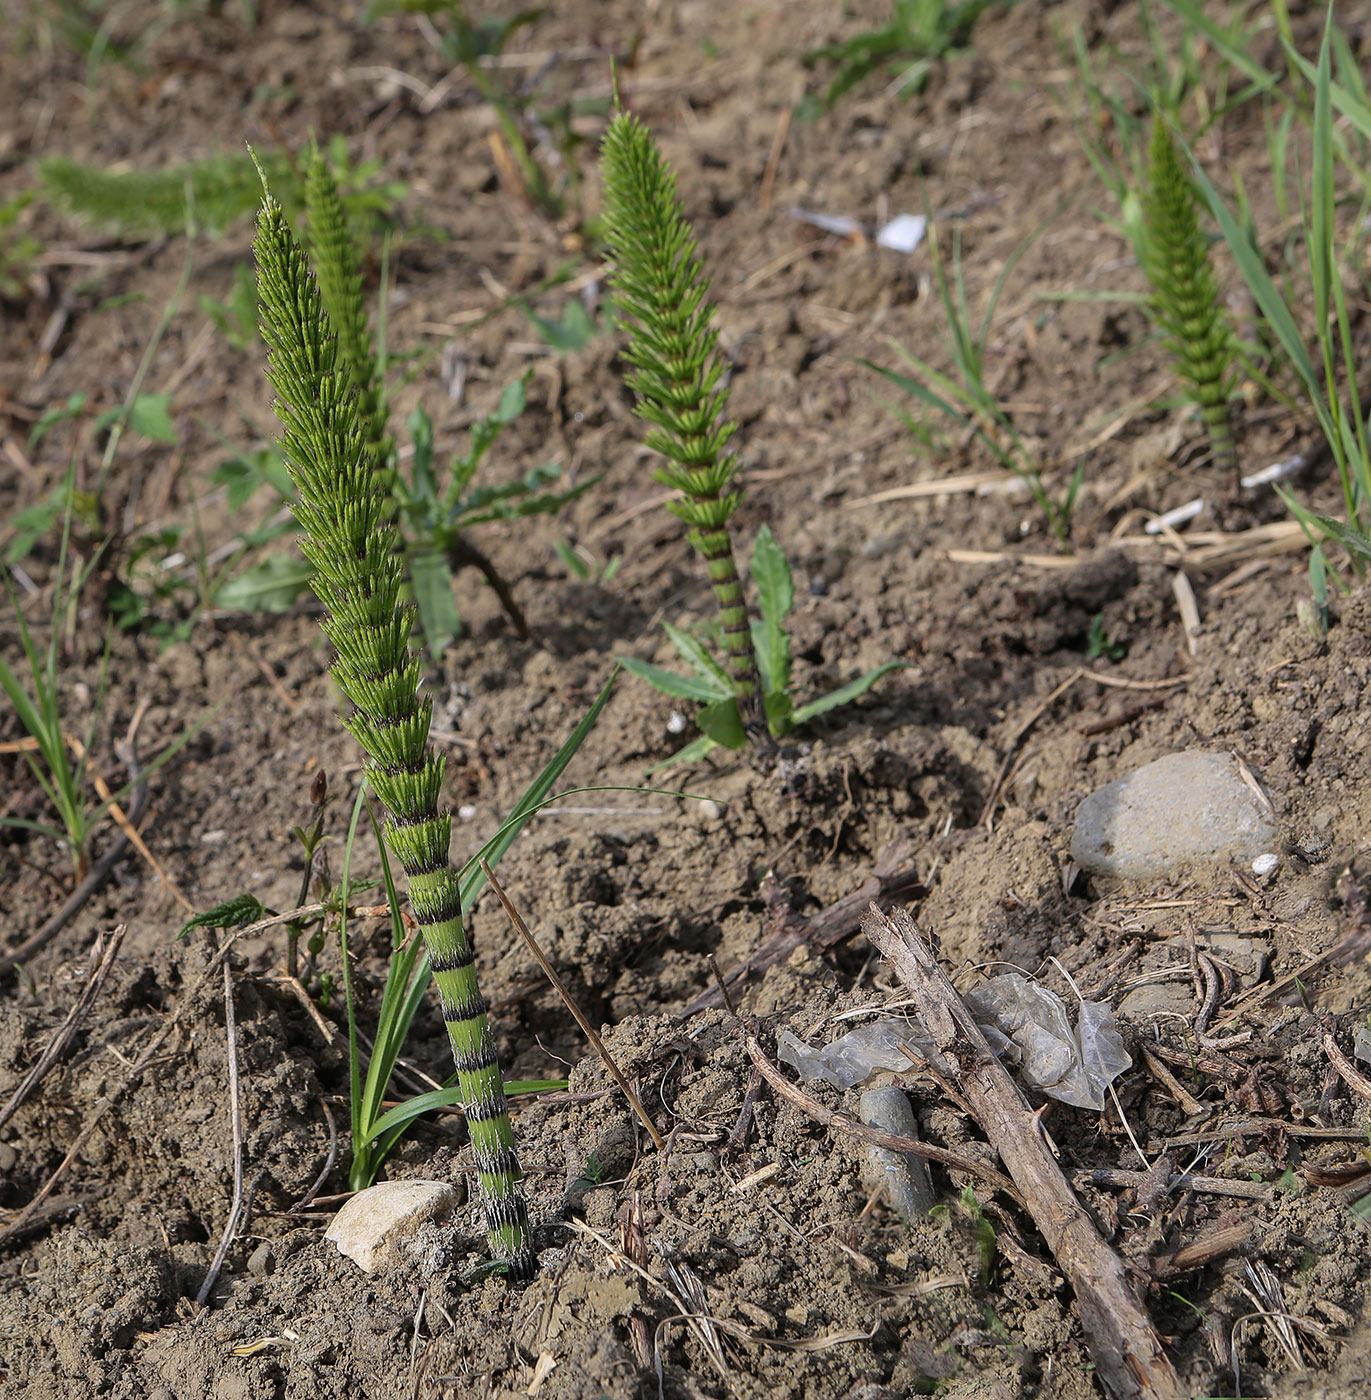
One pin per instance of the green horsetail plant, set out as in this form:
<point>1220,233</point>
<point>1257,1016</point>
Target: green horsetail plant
<point>678,376</point>
<point>436,515</point>
<point>659,292</point>
<point>334,255</point>
<point>351,539</point>
<point>1185,294</point>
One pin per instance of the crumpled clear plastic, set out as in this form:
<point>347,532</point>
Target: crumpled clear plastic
<point>852,1059</point>
<point>1026,1025</point>
<point>1076,1066</point>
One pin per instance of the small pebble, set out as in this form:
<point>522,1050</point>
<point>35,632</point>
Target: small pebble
<point>900,1176</point>
<point>260,1261</point>
<point>377,1228</point>
<point>677,723</point>
<point>1187,808</point>
<point>1265,864</point>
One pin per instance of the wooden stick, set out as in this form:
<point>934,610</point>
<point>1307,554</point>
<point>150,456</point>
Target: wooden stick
<point>892,878</point>
<point>1126,1349</point>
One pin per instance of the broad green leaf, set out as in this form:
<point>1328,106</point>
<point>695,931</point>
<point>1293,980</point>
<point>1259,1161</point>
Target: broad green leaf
<point>439,618</point>
<point>846,694</point>
<point>776,592</point>
<point>274,585</point>
<point>722,723</point>
<point>150,414</point>
<point>697,656</point>
<point>668,682</point>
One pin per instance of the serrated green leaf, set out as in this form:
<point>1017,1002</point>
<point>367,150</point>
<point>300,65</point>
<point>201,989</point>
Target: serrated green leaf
<point>668,682</point>
<point>846,694</point>
<point>697,656</point>
<point>439,618</point>
<point>150,414</point>
<point>274,585</point>
<point>776,594</point>
<point>232,913</point>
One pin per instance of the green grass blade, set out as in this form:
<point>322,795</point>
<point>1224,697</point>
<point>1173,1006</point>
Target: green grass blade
<point>391,1124</point>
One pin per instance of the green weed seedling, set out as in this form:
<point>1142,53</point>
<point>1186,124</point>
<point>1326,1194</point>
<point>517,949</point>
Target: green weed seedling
<point>1185,293</point>
<point>38,704</point>
<point>677,377</point>
<point>918,34</point>
<point>963,396</point>
<point>468,43</point>
<point>1330,384</point>
<point>436,514</point>
<point>18,248</point>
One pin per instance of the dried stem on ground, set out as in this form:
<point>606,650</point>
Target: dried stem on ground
<point>892,879</point>
<point>61,1039</point>
<point>1128,1353</point>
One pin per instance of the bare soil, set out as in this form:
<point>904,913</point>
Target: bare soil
<point>976,756</point>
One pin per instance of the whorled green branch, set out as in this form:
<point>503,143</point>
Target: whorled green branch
<point>340,284</point>
<point>1185,293</point>
<point>351,540</point>
<point>660,293</point>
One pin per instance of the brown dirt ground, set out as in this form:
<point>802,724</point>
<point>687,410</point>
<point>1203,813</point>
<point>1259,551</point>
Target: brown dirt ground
<point>977,756</point>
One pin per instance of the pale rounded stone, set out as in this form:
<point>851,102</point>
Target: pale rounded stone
<point>392,1223</point>
<point>1184,809</point>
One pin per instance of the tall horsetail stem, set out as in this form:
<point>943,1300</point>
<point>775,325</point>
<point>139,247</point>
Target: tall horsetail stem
<point>660,293</point>
<point>350,538</point>
<point>1185,293</point>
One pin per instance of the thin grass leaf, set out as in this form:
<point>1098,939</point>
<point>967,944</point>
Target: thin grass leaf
<point>391,1124</point>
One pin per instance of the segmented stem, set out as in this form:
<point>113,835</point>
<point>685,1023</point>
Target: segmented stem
<point>660,292</point>
<point>739,655</point>
<point>1185,298</point>
<point>350,538</point>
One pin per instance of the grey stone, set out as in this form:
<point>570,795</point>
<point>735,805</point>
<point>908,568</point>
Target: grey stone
<point>1188,808</point>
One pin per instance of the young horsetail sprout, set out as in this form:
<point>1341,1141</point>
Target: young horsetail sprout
<point>659,292</point>
<point>1185,294</point>
<point>351,539</point>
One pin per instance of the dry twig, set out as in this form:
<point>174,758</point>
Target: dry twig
<point>1126,1349</point>
<point>61,1038</point>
